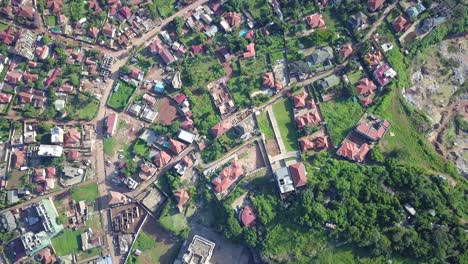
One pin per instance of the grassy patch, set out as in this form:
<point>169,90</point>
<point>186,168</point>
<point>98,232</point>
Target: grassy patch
<point>285,119</point>
<point>67,242</point>
<point>354,77</point>
<point>341,116</point>
<point>165,7</point>
<point>88,193</point>
<point>109,144</point>
<point>197,72</point>
<point>3,27</point>
<point>172,220</point>
<point>82,107</point>
<point>265,126</point>
<point>140,148</point>
<point>121,96</point>
<point>51,21</point>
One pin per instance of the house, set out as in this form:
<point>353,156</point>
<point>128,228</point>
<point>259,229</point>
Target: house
<point>7,222</point>
<point>358,21</point>
<point>186,136</point>
<point>300,99</point>
<point>148,114</point>
<point>227,177</point>
<point>284,180</point>
<point>268,80</point>
<point>116,199</point>
<point>414,11</point>
<point>176,146</point>
<point>72,137</point>
<point>353,151</point>
<point>247,216</point>
<point>136,74</point>
<point>374,130</point>
<point>51,79</point>
<point>55,6</point>
<point>329,81</point>
<point>159,87</point>
<point>13,77</point>
<point>199,251</point>
<point>50,172</point>
<point>221,128</point>
<point>147,171</point>
<point>400,24</point>
<point>298,174</point>
<point>108,30</point>
<point>111,124</point>
<point>210,31</point>
<point>125,12</point>
<point>365,87</point>
<point>25,44</point>
<point>5,98</point>
<point>93,32</point>
<point>26,12</point>
<point>299,69</point>
<point>161,159</point>
<point>250,51</point>
<point>65,88</point>
<point>373,58</point>
<point>250,34</point>
<point>72,155</point>
<point>318,143</point>
<point>315,21</point>
<point>346,50</point>
<point>195,49</point>
<point>56,135</point>
<point>135,109</point>
<point>180,98</point>
<point>321,55</point>
<point>39,175</point>
<point>30,77</point>
<point>311,117</point>
<point>384,74</point>
<point>234,19</point>
<point>375,5</point>
<point>182,197</point>
<point>8,36</point>
<point>50,151</point>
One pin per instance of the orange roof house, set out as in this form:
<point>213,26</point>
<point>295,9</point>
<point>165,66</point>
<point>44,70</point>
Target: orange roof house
<point>187,161</point>
<point>221,128</point>
<point>18,159</point>
<point>365,87</point>
<point>55,6</point>
<point>227,177</point>
<point>182,198</point>
<point>176,146</point>
<point>30,77</point>
<point>346,50</point>
<point>366,101</point>
<point>298,174</point>
<point>400,24</point>
<point>248,217</point>
<point>312,117</point>
<point>250,51</point>
<point>50,172</point>
<point>374,5</point>
<point>373,131</point>
<point>26,12</point>
<point>268,80</point>
<point>234,19</point>
<point>316,21</point>
<point>5,98</point>
<point>7,36</point>
<point>162,158</point>
<point>300,99</point>
<point>72,137</point>
<point>352,151</point>
<point>318,143</point>
<point>373,58</point>
<point>93,32</point>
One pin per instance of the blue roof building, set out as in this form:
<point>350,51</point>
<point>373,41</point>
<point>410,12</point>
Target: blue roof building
<point>414,11</point>
<point>159,87</point>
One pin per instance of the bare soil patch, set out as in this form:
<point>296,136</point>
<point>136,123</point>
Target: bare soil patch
<point>167,111</point>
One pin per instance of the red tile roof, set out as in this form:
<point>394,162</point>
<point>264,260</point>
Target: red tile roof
<point>317,143</point>
<point>187,161</point>
<point>94,5</point>
<point>18,159</point>
<point>176,146</point>
<point>366,101</point>
<point>400,24</point>
<point>182,197</point>
<point>50,172</point>
<point>300,99</point>
<point>72,155</point>
<point>7,36</point>
<point>93,32</point>
<point>5,98</point>
<point>30,77</point>
<point>195,49</point>
<point>373,131</point>
<point>268,79</point>
<point>365,87</point>
<point>248,217</point>
<point>375,4</point>
<point>373,58</point>
<point>13,77</point>
<point>72,137</point>
<point>111,124</point>
<point>298,174</point>
<point>55,6</point>
<point>40,175</point>
<point>162,158</point>
<point>312,117</point>
<point>221,128</point>
<point>180,98</point>
<point>227,177</point>
<point>53,77</point>
<point>346,50</point>
<point>108,30</point>
<point>315,21</point>
<point>250,34</point>
<point>250,51</point>
<point>125,12</point>
<point>234,19</point>
<point>352,151</point>
<point>26,12</point>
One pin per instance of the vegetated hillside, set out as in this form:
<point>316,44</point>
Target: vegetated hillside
<point>366,205</point>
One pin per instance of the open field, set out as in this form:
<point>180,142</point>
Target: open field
<point>109,144</point>
<point>285,119</point>
<point>172,220</point>
<point>68,242</point>
<point>88,192</point>
<point>341,116</point>
<point>120,98</point>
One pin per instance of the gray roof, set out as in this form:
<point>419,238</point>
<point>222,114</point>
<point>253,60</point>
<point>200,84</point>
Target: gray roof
<point>8,221</point>
<point>321,55</point>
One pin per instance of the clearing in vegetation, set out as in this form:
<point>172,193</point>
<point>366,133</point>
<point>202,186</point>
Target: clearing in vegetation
<point>264,125</point>
<point>121,96</point>
<point>88,193</point>
<point>283,111</point>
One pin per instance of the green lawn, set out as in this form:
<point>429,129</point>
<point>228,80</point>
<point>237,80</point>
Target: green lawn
<point>89,109</point>
<point>200,70</point>
<point>285,119</point>
<point>109,144</point>
<point>3,26</point>
<point>51,21</point>
<point>88,192</point>
<point>265,126</point>
<point>341,116</point>
<point>165,7</point>
<point>120,98</point>
<point>67,242</point>
<point>354,77</point>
